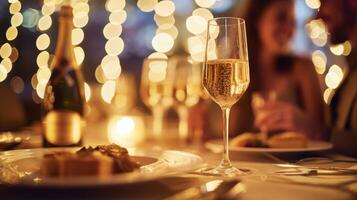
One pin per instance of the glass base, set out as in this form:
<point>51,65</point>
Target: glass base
<point>224,171</point>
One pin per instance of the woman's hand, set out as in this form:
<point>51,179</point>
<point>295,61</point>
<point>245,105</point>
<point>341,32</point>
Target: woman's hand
<point>277,115</point>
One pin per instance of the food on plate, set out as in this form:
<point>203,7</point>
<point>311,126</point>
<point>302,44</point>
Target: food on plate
<point>103,160</point>
<point>288,139</point>
<point>247,139</point>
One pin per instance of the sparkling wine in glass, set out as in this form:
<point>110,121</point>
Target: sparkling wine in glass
<point>226,75</point>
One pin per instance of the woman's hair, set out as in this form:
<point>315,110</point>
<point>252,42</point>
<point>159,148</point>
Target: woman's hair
<point>252,15</point>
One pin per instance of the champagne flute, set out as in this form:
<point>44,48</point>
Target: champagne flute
<point>226,75</point>
<point>156,90</point>
<point>187,89</point>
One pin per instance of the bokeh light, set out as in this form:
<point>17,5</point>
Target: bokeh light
<point>314,4</point>
<point>162,42</point>
<point>147,5</point>
<point>114,5</point>
<point>42,59</point>
<point>3,73</point>
<point>319,60</point>
<point>108,91</point>
<point>196,24</point>
<point>112,31</point>
<point>118,17</point>
<point>44,23</point>
<point>114,46</point>
<point>334,77</point>
<point>16,19</point>
<point>79,54</point>
<point>87,92</point>
<point>17,84</point>
<point>77,36</point>
<point>6,62</point>
<point>11,33</point>
<point>165,8</point>
<point>205,3</point>
<point>43,41</point>
<point>5,50</point>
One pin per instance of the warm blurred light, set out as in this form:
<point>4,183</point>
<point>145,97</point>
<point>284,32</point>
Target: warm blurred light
<point>15,7</point>
<point>203,12</point>
<point>118,17</point>
<point>34,81</point>
<point>35,97</point>
<point>42,59</point>
<point>40,89</point>
<point>162,42</point>
<point>43,74</point>
<point>196,44</point>
<point>108,91</point>
<point>314,4</point>
<point>6,62</point>
<point>5,50</point>
<point>114,5</point>
<point>16,19</point>
<point>43,41</point>
<point>17,84</point>
<point>158,65</point>
<point>317,31</point>
<point>3,73</point>
<point>44,23</point>
<point>205,3</point>
<point>157,76</point>
<point>77,36</point>
<point>112,31</point>
<point>321,40</point>
<point>319,59</point>
<point>165,8</point>
<point>80,21</point>
<point>126,131</point>
<point>11,33</point>
<point>87,92</point>
<point>337,49</point>
<point>328,93</point>
<point>14,54</point>
<point>347,48</point>
<point>81,9</point>
<point>172,31</point>
<point>114,46</point>
<point>79,53</point>
<point>164,22</point>
<point>157,55</point>
<point>334,77</point>
<point>147,5</point>
<point>111,67</point>
<point>48,8</point>
<point>196,24</point>
<point>99,75</point>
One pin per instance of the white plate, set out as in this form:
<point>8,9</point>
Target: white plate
<point>312,146</point>
<point>21,168</point>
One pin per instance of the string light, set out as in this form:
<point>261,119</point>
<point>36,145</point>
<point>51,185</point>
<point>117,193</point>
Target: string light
<point>8,53</point>
<point>110,69</point>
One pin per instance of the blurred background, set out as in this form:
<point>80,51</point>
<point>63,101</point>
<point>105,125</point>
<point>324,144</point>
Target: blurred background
<point>132,30</point>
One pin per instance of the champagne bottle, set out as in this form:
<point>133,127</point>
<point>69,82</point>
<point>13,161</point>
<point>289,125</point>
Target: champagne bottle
<point>63,104</point>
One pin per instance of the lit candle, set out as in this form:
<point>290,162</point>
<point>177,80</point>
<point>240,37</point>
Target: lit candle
<point>126,131</point>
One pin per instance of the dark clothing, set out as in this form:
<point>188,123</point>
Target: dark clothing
<point>344,111</point>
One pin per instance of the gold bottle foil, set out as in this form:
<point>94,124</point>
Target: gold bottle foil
<point>62,127</point>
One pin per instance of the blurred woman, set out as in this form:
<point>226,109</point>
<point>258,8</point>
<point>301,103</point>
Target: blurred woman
<point>274,69</point>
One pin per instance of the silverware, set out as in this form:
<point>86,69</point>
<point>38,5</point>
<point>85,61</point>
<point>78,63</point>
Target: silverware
<point>215,189</point>
<point>315,171</point>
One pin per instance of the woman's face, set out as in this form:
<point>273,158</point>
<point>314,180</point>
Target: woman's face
<point>276,27</point>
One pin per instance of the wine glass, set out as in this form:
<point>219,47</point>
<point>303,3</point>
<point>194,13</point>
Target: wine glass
<point>156,90</point>
<point>187,89</point>
<point>226,74</point>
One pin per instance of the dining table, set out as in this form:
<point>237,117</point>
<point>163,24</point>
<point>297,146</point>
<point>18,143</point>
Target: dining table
<point>262,181</point>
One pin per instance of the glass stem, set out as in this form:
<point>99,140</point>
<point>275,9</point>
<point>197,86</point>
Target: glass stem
<point>157,122</point>
<point>225,163</point>
<point>183,122</point>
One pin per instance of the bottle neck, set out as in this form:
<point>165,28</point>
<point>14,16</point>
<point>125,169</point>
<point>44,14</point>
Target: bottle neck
<point>64,47</point>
